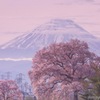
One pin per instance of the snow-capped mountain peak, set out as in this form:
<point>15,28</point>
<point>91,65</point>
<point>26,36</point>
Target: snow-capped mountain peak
<point>54,31</point>
<point>57,30</point>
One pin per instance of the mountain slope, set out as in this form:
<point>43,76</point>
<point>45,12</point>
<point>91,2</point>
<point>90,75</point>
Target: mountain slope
<point>57,30</point>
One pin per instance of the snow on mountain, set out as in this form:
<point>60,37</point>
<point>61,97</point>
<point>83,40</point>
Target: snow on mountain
<point>57,30</point>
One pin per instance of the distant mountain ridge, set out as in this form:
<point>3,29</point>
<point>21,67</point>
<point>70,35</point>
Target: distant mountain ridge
<point>55,31</point>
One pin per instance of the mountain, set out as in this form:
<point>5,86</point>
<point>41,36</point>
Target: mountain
<point>55,31</point>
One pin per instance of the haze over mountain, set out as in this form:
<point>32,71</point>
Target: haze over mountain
<point>55,31</point>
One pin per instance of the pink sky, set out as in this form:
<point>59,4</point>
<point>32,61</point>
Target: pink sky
<point>24,15</point>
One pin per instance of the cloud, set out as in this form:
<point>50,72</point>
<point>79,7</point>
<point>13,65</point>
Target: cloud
<point>70,2</point>
<point>90,23</point>
<point>15,59</point>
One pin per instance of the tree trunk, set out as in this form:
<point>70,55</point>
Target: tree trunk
<point>75,95</point>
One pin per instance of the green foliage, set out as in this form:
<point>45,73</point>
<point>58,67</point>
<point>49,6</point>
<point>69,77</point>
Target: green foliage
<point>87,94</point>
<point>30,98</point>
<point>92,86</point>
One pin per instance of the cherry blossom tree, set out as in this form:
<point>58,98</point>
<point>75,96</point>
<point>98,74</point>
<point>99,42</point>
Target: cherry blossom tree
<point>59,69</point>
<point>9,90</point>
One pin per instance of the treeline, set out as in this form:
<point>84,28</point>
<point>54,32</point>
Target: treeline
<point>22,89</point>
